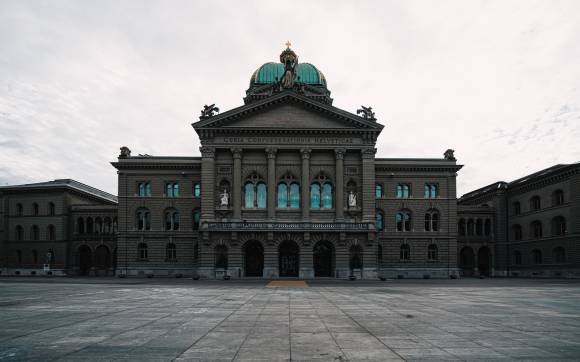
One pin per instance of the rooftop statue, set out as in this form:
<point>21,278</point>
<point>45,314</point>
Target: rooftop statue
<point>367,113</point>
<point>209,111</point>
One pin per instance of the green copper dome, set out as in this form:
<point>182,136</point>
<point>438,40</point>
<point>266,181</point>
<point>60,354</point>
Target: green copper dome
<point>271,72</point>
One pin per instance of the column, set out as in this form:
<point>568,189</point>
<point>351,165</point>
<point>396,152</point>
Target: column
<point>271,154</point>
<point>305,183</point>
<point>368,184</point>
<point>237,183</point>
<point>207,183</point>
<point>339,177</point>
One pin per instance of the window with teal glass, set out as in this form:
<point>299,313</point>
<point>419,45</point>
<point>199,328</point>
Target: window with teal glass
<point>327,195</point>
<point>197,190</point>
<point>282,195</point>
<point>315,196</point>
<point>249,195</point>
<point>172,189</point>
<point>262,195</point>
<point>431,191</point>
<point>403,191</point>
<point>379,221</point>
<point>175,189</point>
<point>141,188</point>
<point>294,196</point>
<point>378,191</point>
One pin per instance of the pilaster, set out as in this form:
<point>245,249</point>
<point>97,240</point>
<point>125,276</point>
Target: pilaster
<point>368,184</point>
<point>237,183</point>
<point>305,152</point>
<point>207,183</point>
<point>271,155</point>
<point>339,179</point>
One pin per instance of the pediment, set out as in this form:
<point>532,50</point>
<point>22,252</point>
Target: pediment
<point>287,111</point>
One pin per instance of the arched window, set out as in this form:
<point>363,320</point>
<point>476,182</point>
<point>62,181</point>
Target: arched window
<point>98,225</point>
<point>378,191</point>
<point>517,257</point>
<point>19,210</point>
<point>517,209</point>
<point>403,191</point>
<point>403,220</point>
<point>537,256</point>
<point>282,195</point>
<point>196,218</point>
<point>432,220</point>
<point>51,231</point>
<point>294,195</point>
<point>249,195</point>
<point>327,195</point>
<point>142,250</point>
<point>143,219</point>
<point>405,252</point>
<point>535,203</point>
<point>558,226</point>
<point>432,252</point>
<point>517,232</point>
<point>461,228</point>
<point>379,220</point>
<point>107,225</point>
<point>141,188</point>
<point>171,219</point>
<point>262,195</point>
<point>35,256</point>
<point>536,228</point>
<point>255,192</point>
<point>51,209</point>
<point>487,227</point>
<point>479,227</point>
<point>315,196</point>
<point>35,232</point>
<point>470,227</point>
<point>288,192</point>
<point>221,257</point>
<point>431,191</point>
<point>557,197</point>
<point>89,229</point>
<point>559,255</point>
<point>19,233</point>
<point>170,252</point>
<point>81,225</point>
<point>172,189</point>
<point>197,190</point>
<point>35,209</point>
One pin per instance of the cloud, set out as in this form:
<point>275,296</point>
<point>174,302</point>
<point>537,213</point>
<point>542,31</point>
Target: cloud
<point>495,80</point>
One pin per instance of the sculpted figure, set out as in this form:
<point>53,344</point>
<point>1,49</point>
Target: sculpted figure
<point>224,199</point>
<point>209,111</point>
<point>351,199</point>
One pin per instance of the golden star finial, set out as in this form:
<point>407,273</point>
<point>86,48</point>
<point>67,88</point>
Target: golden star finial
<point>288,44</point>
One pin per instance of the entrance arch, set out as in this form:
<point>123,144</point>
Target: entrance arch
<point>102,258</point>
<point>254,259</point>
<point>288,259</point>
<point>323,254</point>
<point>85,260</point>
<point>484,261</point>
<point>467,261</point>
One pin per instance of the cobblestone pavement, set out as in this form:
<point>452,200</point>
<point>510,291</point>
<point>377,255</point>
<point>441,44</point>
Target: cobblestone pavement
<point>160,320</point>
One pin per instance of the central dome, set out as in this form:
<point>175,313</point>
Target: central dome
<point>272,72</point>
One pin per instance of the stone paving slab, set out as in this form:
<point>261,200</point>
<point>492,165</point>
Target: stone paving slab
<point>75,319</point>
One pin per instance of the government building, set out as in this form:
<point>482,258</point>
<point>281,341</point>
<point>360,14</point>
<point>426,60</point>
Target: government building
<point>288,186</point>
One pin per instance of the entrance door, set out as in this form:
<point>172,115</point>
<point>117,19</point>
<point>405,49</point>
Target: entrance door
<point>484,261</point>
<point>85,260</point>
<point>102,258</point>
<point>288,259</point>
<point>254,259</point>
<point>323,259</point>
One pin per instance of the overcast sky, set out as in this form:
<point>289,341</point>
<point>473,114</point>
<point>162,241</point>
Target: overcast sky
<point>498,81</point>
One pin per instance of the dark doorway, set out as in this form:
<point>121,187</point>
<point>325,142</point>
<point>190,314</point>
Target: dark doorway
<point>355,257</point>
<point>323,259</point>
<point>254,259</point>
<point>102,258</point>
<point>484,261</point>
<point>467,261</point>
<point>288,259</point>
<point>85,260</point>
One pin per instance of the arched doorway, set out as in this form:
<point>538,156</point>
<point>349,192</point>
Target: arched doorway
<point>484,261</point>
<point>254,259</point>
<point>467,261</point>
<point>85,260</point>
<point>288,259</point>
<point>323,259</point>
<point>102,258</point>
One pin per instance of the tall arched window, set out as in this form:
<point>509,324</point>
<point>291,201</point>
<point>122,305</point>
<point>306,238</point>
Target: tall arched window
<point>51,232</point>
<point>379,191</point>
<point>98,225</point>
<point>557,197</point>
<point>35,209</point>
<point>403,191</point>
<point>432,252</point>
<point>221,257</point>
<point>282,195</point>
<point>403,220</point>
<point>461,228</point>
<point>51,209</point>
<point>172,189</point>
<point>315,196</point>
<point>143,219</point>
<point>558,226</point>
<point>537,256</point>
<point>171,219</point>
<point>89,229</point>
<point>288,193</point>
<point>405,252</point>
<point>559,255</point>
<point>517,257</point>
<point>294,195</point>
<point>197,190</point>
<point>432,220</point>
<point>80,225</point>
<point>196,218</point>
<point>479,227</point>
<point>170,252</point>
<point>107,225</point>
<point>517,231</point>
<point>535,203</point>
<point>249,195</point>
<point>142,250</point>
<point>321,193</point>
<point>487,227</point>
<point>35,232</point>
<point>470,227</point>
<point>255,192</point>
<point>327,195</point>
<point>379,220</point>
<point>536,228</point>
<point>19,210</point>
<point>19,232</point>
<point>261,195</point>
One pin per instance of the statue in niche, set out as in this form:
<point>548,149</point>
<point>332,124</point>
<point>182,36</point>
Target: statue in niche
<point>351,199</point>
<point>224,198</point>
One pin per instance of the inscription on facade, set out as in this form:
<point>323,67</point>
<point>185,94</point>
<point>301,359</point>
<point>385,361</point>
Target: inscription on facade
<point>291,140</point>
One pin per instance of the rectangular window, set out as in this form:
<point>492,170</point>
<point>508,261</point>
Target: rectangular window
<point>403,191</point>
<point>431,191</point>
<point>172,189</point>
<point>197,190</point>
<point>144,188</point>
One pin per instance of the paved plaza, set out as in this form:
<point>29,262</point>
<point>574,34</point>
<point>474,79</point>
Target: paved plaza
<point>181,319</point>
